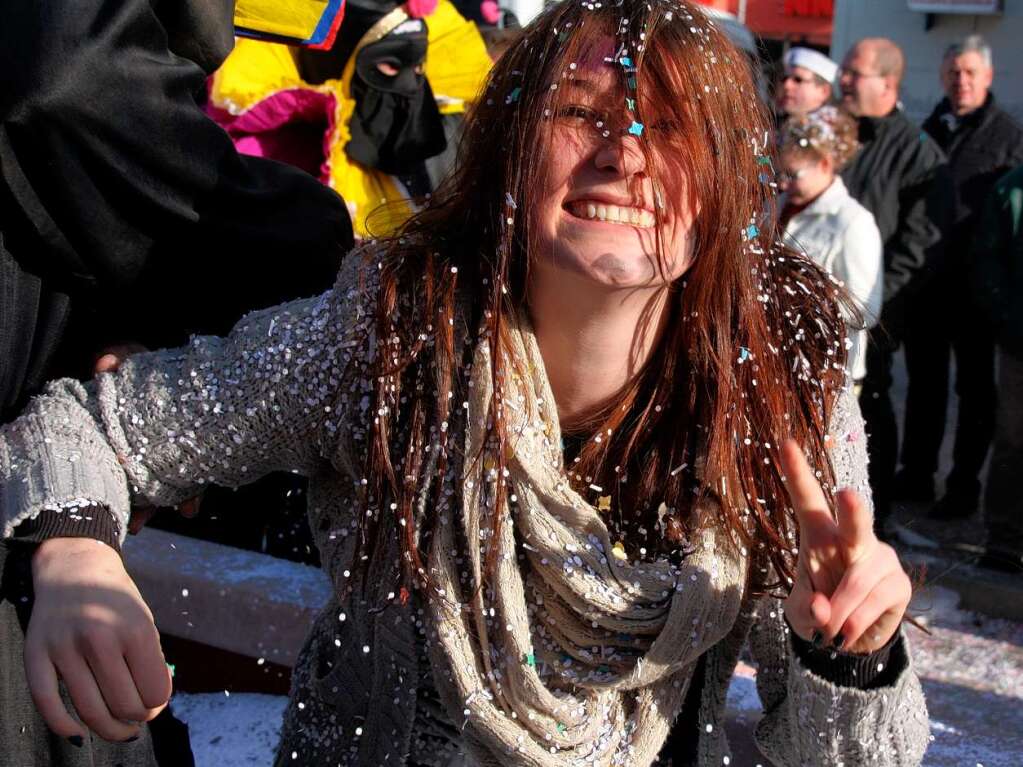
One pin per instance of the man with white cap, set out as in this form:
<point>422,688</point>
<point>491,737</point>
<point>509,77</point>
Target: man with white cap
<point>807,83</point>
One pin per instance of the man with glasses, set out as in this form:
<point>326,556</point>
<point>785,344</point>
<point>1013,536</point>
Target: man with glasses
<point>983,142</point>
<point>806,84</point>
<point>899,176</point>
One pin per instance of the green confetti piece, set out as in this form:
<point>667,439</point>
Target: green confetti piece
<point>561,727</point>
<point>172,669</point>
<point>529,659</point>
<point>763,159</point>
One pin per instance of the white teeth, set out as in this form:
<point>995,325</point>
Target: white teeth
<point>614,214</point>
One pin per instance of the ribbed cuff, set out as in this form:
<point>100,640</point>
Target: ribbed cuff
<point>864,672</point>
<point>93,521</point>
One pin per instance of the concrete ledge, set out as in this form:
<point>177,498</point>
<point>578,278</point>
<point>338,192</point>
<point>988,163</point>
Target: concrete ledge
<point>241,601</point>
<point>997,595</point>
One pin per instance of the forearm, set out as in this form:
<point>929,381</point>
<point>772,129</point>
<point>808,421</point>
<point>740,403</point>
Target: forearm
<point>823,712</point>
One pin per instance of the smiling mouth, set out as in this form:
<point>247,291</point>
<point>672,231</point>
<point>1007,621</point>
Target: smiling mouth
<point>612,214</point>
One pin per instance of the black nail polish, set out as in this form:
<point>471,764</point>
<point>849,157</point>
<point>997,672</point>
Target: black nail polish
<point>76,740</point>
<point>839,641</point>
<point>132,739</point>
<point>817,639</point>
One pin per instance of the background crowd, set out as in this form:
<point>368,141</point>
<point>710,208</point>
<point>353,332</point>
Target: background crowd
<point>931,259</point>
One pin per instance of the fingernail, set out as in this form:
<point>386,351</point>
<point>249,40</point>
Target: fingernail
<point>817,639</point>
<point>839,641</point>
<point>76,740</point>
<point>132,739</point>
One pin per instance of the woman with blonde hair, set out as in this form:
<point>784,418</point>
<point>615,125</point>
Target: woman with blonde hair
<point>574,436</point>
<point>819,215</point>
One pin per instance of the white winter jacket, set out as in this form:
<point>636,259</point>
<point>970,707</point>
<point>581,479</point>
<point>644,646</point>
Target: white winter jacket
<point>840,234</point>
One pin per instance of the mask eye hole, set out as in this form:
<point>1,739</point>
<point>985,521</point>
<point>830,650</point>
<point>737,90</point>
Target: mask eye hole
<point>386,67</point>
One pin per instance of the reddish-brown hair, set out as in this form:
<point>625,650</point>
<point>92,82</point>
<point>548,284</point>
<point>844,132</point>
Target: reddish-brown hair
<point>753,352</point>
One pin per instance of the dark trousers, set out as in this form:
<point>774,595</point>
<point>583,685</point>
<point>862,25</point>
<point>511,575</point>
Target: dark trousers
<point>879,420</point>
<point>930,345</point>
<point>25,740</point>
<point>1003,502</point>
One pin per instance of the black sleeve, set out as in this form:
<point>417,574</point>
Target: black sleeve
<point>865,672</point>
<point>94,522</point>
<point>990,279</point>
<point>926,208</point>
<point>120,193</point>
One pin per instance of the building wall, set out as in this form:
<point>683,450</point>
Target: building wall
<point>924,47</point>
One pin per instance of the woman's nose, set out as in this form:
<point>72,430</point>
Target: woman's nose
<point>623,155</point>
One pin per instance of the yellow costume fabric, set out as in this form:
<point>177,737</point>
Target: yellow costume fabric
<point>456,67</point>
<point>296,19</point>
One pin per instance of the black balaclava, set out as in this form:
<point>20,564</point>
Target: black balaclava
<point>396,124</point>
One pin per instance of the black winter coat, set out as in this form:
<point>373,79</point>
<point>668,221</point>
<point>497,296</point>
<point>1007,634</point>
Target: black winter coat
<point>125,213</point>
<point>900,175</point>
<point>997,267</point>
<point>981,147</point>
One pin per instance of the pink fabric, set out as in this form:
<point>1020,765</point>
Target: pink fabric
<point>291,126</point>
<point>490,11</point>
<point>419,9</point>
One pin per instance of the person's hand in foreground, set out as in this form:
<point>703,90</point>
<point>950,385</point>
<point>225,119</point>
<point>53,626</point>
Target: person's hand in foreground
<point>850,590</point>
<point>91,629</point>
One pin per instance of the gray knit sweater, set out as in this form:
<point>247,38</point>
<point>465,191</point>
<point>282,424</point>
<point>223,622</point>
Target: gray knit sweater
<point>287,390</point>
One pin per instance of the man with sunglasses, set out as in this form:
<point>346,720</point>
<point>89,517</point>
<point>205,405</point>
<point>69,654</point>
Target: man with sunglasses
<point>899,175</point>
<point>806,84</point>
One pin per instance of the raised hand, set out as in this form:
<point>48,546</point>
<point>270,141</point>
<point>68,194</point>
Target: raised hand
<point>850,590</point>
<point>91,629</point>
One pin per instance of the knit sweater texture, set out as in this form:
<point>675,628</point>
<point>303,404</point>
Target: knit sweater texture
<point>288,389</point>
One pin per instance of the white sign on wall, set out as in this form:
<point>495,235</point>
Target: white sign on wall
<point>956,6</point>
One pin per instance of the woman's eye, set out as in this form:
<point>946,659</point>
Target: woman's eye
<point>578,113</point>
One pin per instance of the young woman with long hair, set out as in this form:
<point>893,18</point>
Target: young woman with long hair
<point>575,435</point>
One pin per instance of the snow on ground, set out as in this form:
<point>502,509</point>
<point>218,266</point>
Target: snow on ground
<point>239,730</point>
<point>971,666</point>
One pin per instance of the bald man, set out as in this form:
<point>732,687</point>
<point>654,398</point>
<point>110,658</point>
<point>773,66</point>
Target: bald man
<point>900,176</point>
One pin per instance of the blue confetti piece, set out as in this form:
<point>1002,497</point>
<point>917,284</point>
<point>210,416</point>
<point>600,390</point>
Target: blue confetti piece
<point>743,354</point>
<point>636,129</point>
<point>752,231</point>
<point>513,96</point>
<point>626,61</point>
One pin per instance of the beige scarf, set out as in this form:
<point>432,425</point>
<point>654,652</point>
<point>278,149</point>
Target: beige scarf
<point>570,655</point>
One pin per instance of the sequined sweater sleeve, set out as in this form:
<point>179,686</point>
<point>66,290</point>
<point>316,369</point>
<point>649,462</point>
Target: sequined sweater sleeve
<point>272,395</point>
<point>811,721</point>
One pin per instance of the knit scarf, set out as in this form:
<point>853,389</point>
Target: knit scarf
<point>568,655</point>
